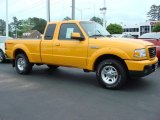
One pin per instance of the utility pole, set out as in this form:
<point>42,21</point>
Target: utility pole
<point>7,18</point>
<point>73,9</point>
<point>104,9</point>
<point>48,10</point>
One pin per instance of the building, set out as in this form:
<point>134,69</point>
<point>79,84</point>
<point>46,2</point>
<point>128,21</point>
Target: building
<point>139,29</point>
<point>34,34</point>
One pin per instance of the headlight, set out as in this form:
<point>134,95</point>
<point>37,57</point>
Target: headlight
<point>140,53</point>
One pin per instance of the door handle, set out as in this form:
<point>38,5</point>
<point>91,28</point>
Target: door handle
<point>57,44</point>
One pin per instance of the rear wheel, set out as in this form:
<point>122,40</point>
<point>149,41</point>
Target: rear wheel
<point>2,57</point>
<point>111,74</point>
<point>22,64</point>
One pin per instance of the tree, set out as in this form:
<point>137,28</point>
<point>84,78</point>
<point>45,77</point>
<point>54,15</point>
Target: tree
<point>2,27</point>
<point>38,24</point>
<point>115,29</point>
<point>97,19</point>
<point>67,18</point>
<point>154,13</point>
<point>156,28</point>
<point>18,27</point>
<point>15,27</point>
<point>26,25</point>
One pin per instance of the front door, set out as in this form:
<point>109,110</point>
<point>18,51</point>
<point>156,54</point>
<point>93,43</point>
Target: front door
<point>67,51</point>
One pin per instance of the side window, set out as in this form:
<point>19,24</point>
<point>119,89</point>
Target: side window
<point>67,29</point>
<point>50,32</point>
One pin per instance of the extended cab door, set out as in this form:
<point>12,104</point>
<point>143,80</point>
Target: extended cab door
<point>47,44</point>
<point>67,51</point>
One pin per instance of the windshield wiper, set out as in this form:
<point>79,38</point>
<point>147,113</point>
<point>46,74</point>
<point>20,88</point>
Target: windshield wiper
<point>99,35</point>
<point>96,35</point>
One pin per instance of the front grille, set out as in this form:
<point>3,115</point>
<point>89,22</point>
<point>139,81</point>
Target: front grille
<point>152,52</point>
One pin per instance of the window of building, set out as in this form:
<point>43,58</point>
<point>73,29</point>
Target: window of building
<point>131,29</point>
<point>144,29</point>
<point>137,29</point>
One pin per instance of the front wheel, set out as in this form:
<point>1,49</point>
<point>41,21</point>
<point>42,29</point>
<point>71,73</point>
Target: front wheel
<point>2,57</point>
<point>111,74</point>
<point>22,64</point>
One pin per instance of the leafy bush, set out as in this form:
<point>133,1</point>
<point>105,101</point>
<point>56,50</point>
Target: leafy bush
<point>156,28</point>
<point>115,29</point>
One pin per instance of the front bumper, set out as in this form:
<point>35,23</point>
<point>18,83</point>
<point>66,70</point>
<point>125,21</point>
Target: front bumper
<point>141,68</point>
<point>147,70</point>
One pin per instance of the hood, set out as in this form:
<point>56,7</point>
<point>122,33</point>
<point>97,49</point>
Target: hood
<point>138,43</point>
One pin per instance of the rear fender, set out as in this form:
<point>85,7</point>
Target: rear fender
<point>24,49</point>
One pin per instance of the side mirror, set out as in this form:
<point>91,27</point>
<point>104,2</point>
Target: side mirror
<point>77,36</point>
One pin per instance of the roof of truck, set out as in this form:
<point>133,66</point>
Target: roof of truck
<point>69,21</point>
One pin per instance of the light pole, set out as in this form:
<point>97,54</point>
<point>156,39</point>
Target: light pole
<point>81,11</point>
<point>7,18</point>
<point>104,9</point>
<point>73,9</point>
<point>48,10</point>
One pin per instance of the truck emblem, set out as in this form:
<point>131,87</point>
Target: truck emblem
<point>94,47</point>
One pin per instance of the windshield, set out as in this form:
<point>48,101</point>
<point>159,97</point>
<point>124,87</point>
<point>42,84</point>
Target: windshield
<point>151,36</point>
<point>94,29</point>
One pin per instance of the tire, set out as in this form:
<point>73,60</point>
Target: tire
<point>2,57</point>
<point>22,64</point>
<point>52,67</point>
<point>111,74</point>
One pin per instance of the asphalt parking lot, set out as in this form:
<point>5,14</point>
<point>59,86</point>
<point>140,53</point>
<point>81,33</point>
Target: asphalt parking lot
<point>71,94</point>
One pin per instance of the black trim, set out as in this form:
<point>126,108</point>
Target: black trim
<point>147,70</point>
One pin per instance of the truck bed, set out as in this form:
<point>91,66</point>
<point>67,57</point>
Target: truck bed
<point>31,46</point>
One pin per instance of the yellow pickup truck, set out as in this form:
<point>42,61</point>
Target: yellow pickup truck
<point>85,45</point>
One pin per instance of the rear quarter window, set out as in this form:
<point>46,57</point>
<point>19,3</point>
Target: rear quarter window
<point>50,32</point>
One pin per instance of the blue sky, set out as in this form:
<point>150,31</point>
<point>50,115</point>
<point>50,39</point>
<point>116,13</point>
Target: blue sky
<point>118,11</point>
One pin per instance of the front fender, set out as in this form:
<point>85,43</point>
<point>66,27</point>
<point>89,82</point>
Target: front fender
<point>105,51</point>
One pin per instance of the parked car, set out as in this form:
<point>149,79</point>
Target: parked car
<point>154,38</point>
<point>122,36</point>
<point>2,48</point>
